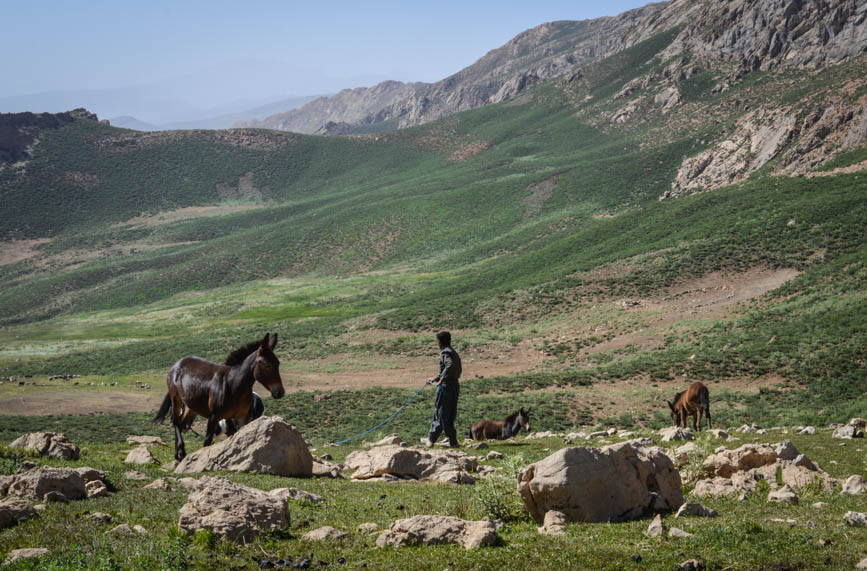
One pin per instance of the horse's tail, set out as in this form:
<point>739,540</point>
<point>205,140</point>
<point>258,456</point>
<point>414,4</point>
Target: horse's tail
<point>164,410</point>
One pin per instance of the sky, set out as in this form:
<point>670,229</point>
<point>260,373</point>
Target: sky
<point>215,52</point>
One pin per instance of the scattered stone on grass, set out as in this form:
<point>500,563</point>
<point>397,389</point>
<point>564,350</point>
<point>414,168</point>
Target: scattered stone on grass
<point>720,433</point>
<point>134,475</point>
<point>691,565</point>
<point>14,511</point>
<point>414,463</point>
<point>862,564</point>
<point>554,523</point>
<point>819,505</point>
<point>847,431</point>
<point>854,485</point>
<point>140,455</point>
<point>158,484</point>
<point>390,440</point>
<point>96,489</point>
<point>17,555</point>
<point>144,440</point>
<point>676,433</point>
<point>784,494</point>
<point>807,430</point>
<point>298,495</point>
<point>694,509</point>
<point>478,446</point>
<point>614,483</point>
<point>268,445</point>
<point>544,434</point>
<point>676,532</point>
<point>101,517</point>
<point>437,530</point>
<point>231,510</point>
<point>655,529</point>
<point>51,444</point>
<point>368,527</point>
<point>682,453</point>
<point>856,519</point>
<point>48,483</point>
<point>323,533</point>
<point>123,530</point>
<point>494,455</point>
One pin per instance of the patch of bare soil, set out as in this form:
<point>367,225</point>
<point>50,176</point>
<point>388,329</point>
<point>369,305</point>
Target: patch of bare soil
<point>186,214</point>
<point>18,250</point>
<point>37,401</point>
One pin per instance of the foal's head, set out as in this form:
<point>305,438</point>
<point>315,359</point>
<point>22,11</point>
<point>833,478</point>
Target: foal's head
<point>266,367</point>
<point>675,410</point>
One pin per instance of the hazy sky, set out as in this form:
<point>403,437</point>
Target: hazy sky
<point>288,46</point>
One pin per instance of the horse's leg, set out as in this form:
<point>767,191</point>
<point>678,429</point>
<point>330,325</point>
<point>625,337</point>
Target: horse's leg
<point>181,423</point>
<point>212,428</point>
<point>234,424</point>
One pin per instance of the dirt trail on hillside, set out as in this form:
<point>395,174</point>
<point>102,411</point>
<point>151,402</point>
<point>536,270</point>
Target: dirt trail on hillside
<point>38,401</point>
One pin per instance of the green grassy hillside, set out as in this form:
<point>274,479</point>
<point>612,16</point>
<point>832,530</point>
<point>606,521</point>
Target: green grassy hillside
<point>513,224</point>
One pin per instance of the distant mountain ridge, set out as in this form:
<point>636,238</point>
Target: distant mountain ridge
<point>760,34</point>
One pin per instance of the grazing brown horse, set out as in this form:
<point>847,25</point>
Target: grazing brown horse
<point>501,429</point>
<point>197,386</point>
<point>692,402</point>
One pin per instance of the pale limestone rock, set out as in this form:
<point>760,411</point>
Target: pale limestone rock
<point>15,510</point>
<point>436,530</point>
<point>323,533</point>
<point>554,523</point>
<point>140,455</point>
<point>655,529</point>
<point>693,509</point>
<point>51,444</point>
<point>17,555</point>
<point>415,463</point>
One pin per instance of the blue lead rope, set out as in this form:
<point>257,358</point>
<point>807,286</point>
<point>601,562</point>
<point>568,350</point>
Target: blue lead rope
<point>384,422</point>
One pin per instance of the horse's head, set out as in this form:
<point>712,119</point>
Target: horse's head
<point>266,368</point>
<point>524,418</point>
<point>675,412</point>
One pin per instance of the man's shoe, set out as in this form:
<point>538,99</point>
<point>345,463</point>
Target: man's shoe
<point>427,442</point>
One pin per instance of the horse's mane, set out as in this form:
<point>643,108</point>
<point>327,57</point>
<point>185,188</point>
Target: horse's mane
<point>677,397</point>
<point>513,416</point>
<point>237,356</point>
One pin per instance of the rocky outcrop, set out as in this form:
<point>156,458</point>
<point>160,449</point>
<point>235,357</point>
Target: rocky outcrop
<point>741,469</point>
<point>15,510</point>
<point>412,463</point>
<point>51,444</point>
<point>438,530</point>
<point>37,483</point>
<point>763,34</point>
<point>614,483</point>
<point>233,511</point>
<point>268,445</point>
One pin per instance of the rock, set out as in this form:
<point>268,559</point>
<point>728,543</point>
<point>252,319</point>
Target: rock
<point>158,484</point>
<point>554,523</point>
<point>859,423</point>
<point>784,494</point>
<point>100,517</point>
<point>140,455</point>
<point>15,510</point>
<point>232,510</point>
<point>139,530</point>
<point>847,432</point>
<point>854,485</point>
<point>691,565</point>
<point>720,433</point>
<point>38,483</point>
<point>682,453</point>
<point>51,444</point>
<point>675,532</point>
<point>268,445</point>
<point>819,505</point>
<point>862,564</point>
<point>416,463</point>
<point>323,533</point>
<point>390,440</point>
<point>573,436</point>
<point>614,483</point>
<point>856,519</point>
<point>808,430</point>
<point>55,497</point>
<point>89,474</point>
<point>189,483</point>
<point>327,470</point>
<point>479,446</point>
<point>668,98</point>
<point>96,489</point>
<point>122,530</point>
<point>655,528</point>
<point>144,440</point>
<point>368,527</point>
<point>676,433</point>
<point>695,510</point>
<point>17,555</point>
<point>437,530</point>
<point>134,475</point>
<point>494,455</point>
<point>544,434</point>
<point>298,495</point>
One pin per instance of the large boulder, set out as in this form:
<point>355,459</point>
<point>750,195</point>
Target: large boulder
<point>412,463</point>
<point>232,510</point>
<point>140,455</point>
<point>676,433</point>
<point>14,510</point>
<point>36,483</point>
<point>268,445</point>
<point>51,444</point>
<point>615,483</point>
<point>847,431</point>
<point>437,530</point>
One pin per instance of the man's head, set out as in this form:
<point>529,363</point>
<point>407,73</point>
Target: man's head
<point>445,339</point>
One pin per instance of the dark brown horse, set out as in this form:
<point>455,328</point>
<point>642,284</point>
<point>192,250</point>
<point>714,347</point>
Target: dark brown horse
<point>693,402</point>
<point>199,387</point>
<point>501,429</point>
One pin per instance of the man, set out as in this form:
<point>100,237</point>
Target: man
<point>446,381</point>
